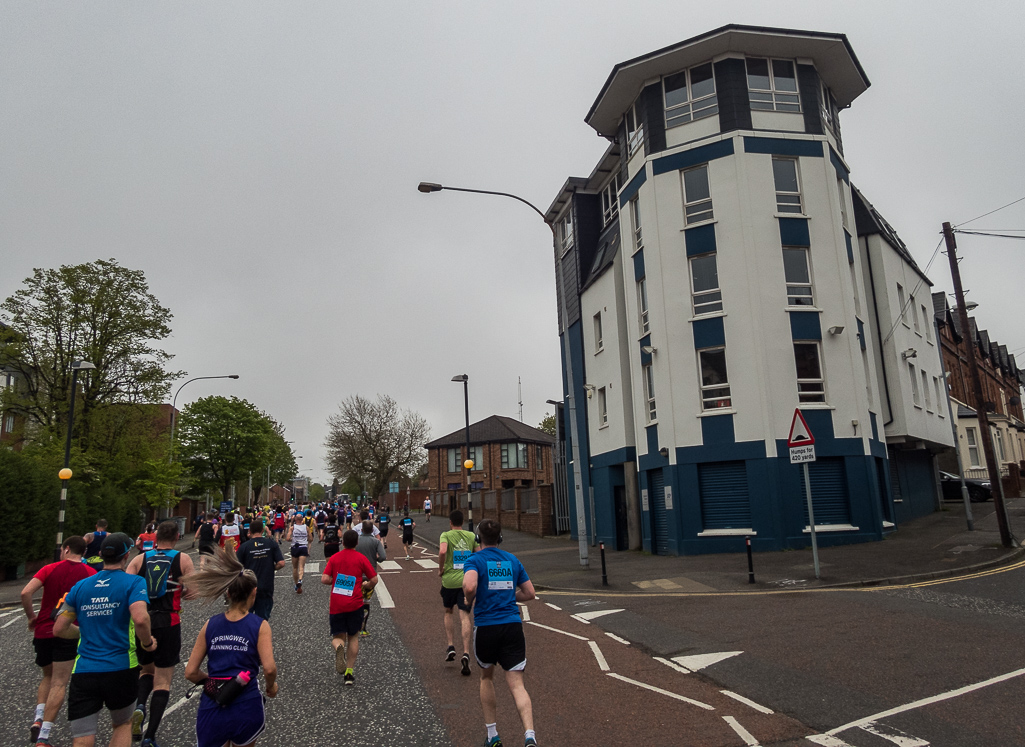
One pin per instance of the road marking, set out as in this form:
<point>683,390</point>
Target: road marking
<point>602,664</point>
<point>10,622</point>
<point>659,690</point>
<point>12,612</point>
<point>700,661</point>
<point>741,731</point>
<point>745,701</point>
<point>900,738</point>
<point>313,567</point>
<point>615,637</point>
<point>426,563</point>
<point>421,571</point>
<point>557,609</point>
<point>672,665</point>
<point>556,630</point>
<point>827,741</point>
<point>927,701</point>
<point>524,612</point>
<point>390,565</point>
<point>383,595</point>
<point>586,617</point>
<point>387,572</point>
<point>175,707</point>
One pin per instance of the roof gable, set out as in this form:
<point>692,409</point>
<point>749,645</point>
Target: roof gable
<point>494,429</point>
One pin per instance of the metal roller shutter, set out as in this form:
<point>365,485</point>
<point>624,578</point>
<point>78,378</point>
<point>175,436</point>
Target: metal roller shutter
<point>658,508</point>
<point>725,503</point>
<point>828,492</point>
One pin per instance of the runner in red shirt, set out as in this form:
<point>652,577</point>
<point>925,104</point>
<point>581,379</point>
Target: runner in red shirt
<point>56,656</point>
<point>349,574</point>
<point>148,539</point>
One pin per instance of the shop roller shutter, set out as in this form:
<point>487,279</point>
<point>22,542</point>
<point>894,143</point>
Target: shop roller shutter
<point>725,503</point>
<point>828,492</point>
<point>658,505</point>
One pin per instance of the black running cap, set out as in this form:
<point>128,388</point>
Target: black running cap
<point>115,546</point>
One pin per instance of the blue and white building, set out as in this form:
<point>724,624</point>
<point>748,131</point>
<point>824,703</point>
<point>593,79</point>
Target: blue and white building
<point>719,272</point>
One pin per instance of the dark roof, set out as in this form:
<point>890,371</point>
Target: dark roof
<point>495,429</point>
<point>608,247</point>
<point>965,412</point>
<point>870,221</point>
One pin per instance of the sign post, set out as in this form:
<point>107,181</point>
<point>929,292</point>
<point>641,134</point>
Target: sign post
<point>802,451</point>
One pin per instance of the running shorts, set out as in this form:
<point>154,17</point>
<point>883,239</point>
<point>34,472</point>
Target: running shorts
<point>346,623</point>
<point>454,598</point>
<point>90,692</point>
<point>300,551</point>
<point>240,722</point>
<point>500,644</point>
<point>168,651</point>
<point>49,650</point>
<point>407,538</point>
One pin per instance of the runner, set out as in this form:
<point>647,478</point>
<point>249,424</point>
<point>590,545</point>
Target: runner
<point>332,535</point>
<point>147,538</point>
<point>408,525</point>
<point>262,556</point>
<point>348,517</point>
<point>162,569</point>
<point>278,527</point>
<point>106,606</point>
<point>247,520</point>
<point>341,573</point>
<point>56,656</point>
<point>321,520</point>
<point>383,520</point>
<point>207,537</point>
<point>454,548</point>
<point>230,532</point>
<point>93,541</point>
<point>364,517</point>
<point>496,581</point>
<point>237,645</point>
<point>371,548</point>
<point>299,536</point>
<point>427,507</point>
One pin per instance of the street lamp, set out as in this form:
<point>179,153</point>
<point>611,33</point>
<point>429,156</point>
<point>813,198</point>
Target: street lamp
<point>468,464</point>
<point>578,487</point>
<point>174,404</point>
<point>65,473</point>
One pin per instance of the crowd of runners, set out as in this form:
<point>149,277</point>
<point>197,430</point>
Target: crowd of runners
<point>107,630</point>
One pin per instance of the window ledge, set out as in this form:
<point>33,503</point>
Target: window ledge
<point>791,215</point>
<point>728,533</point>
<point>717,411</point>
<point>816,309</point>
<point>918,407</point>
<point>831,528</point>
<point>698,224</point>
<point>815,406</point>
<point>603,427</point>
<point>906,325</point>
<point>709,315</point>
<point>599,350</point>
<point>888,525</point>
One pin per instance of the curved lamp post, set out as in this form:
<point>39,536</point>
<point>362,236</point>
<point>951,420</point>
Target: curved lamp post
<point>174,406</point>
<point>65,474</point>
<point>578,488</point>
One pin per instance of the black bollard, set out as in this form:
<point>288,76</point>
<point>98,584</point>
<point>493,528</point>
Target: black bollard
<point>750,562</point>
<point>604,576</point>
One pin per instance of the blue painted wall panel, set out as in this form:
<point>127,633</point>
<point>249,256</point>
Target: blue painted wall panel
<point>717,430</point>
<point>794,232</point>
<point>639,265</point>
<point>631,188</point>
<point>692,157</point>
<point>780,147</point>
<point>804,325</point>
<point>700,240</point>
<point>709,333</point>
<point>841,170</point>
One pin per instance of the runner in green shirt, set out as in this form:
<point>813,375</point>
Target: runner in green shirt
<point>455,546</point>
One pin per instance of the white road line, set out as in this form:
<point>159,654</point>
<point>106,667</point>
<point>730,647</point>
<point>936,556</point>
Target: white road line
<point>556,630</point>
<point>10,622</point>
<point>927,701</point>
<point>827,741</point>
<point>176,706</point>
<point>745,701</point>
<point>672,665</point>
<point>12,612</point>
<point>743,733</point>
<point>900,738</point>
<point>421,571</point>
<point>580,619</point>
<point>659,690</point>
<point>524,612</point>
<point>426,563</point>
<point>390,565</point>
<point>383,595</point>
<point>586,616</point>
<point>557,609</point>
<point>615,637</point>
<point>602,664</point>
<point>313,567</point>
<point>387,573</point>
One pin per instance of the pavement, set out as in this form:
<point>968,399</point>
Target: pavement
<point>934,546</point>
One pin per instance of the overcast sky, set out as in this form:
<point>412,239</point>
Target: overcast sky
<point>259,162</point>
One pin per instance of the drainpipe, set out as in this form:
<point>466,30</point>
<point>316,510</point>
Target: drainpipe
<point>879,334</point>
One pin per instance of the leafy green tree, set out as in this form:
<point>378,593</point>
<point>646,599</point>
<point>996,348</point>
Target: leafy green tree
<point>280,458</point>
<point>547,424</point>
<point>317,492</point>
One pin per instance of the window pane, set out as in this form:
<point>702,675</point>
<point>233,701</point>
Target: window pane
<point>676,89</point>
<point>806,355</point>
<point>758,74</point>
<point>713,367</point>
<point>695,182</point>
<point>701,82</point>
<point>783,75</point>
<point>706,276</point>
<point>784,172</point>
<point>795,265</point>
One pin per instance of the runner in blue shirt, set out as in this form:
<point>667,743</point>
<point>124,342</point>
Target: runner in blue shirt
<point>493,582</point>
<point>111,610</point>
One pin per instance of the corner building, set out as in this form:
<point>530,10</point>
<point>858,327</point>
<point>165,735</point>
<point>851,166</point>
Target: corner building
<point>715,279</point>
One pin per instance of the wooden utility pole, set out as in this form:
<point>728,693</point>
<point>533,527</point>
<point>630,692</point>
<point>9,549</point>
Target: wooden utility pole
<point>980,404</point>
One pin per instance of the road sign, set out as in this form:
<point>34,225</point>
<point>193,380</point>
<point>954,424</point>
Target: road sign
<point>393,487</point>
<point>800,433</point>
<point>802,454</point>
<point>802,451</point>
<point>225,506</point>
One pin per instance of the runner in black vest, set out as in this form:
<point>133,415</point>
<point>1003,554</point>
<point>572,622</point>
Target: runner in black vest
<point>207,536</point>
<point>407,525</point>
<point>331,535</point>
<point>93,541</point>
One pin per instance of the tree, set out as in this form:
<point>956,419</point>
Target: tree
<point>547,424</point>
<point>279,457</point>
<point>375,441</point>
<point>220,440</point>
<point>100,312</point>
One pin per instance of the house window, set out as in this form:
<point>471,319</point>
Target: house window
<point>828,108</point>
<point>925,392</point>
<point>939,395</point>
<point>455,459</point>
<point>705,283</point>
<point>914,313</point>
<point>843,205</point>
<point>603,411</point>
<point>973,447</point>
<point>903,305</point>
<point>477,455</point>
<point>514,456</point>
<point>634,128</point>
<point>642,305</point>
<point>689,95</point>
<point>1000,444</point>
<point>566,231</point>
<point>810,383</point>
<point>610,200</point>
<point>715,384</point>
<point>598,345</point>
<point>788,187</point>
<point>925,324</point>
<point>798,276</point>
<point>540,456</point>
<point>916,397</point>
<point>697,198</point>
<point>772,85</point>
<point>9,424</point>
<point>649,393</point>
<point>635,215</point>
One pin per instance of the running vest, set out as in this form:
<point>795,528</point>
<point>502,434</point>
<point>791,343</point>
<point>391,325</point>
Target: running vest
<point>231,648</point>
<point>92,551</point>
<point>161,569</point>
<point>300,535</point>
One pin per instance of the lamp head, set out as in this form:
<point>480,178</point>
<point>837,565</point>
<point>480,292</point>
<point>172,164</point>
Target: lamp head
<point>468,464</point>
<point>648,349</point>
<point>837,330</point>
<point>427,187</point>
<point>82,365</point>
<point>461,378</point>
<point>232,376</point>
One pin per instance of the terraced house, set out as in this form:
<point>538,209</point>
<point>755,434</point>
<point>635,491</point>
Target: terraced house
<point>720,271</point>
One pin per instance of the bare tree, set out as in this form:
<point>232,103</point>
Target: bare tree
<point>375,441</point>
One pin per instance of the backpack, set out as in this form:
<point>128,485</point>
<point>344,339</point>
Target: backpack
<point>331,534</point>
<point>156,569</point>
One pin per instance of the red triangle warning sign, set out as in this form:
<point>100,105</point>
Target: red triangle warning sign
<point>800,433</point>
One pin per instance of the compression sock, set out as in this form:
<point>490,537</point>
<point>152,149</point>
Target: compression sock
<point>145,687</point>
<point>492,730</point>
<point>156,711</point>
<point>44,730</point>
<point>40,709</point>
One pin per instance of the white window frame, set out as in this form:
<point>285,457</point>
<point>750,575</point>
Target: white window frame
<point>477,455</point>
<point>925,324</point>
<point>603,408</point>
<point>914,314</point>
<point>693,108</point>
<point>973,448</point>
<point>794,287</point>
<point>610,200</point>
<point>635,224</point>
<point>916,397</point>
<point>565,226</point>
<point>634,128</point>
<point>925,392</point>
<point>785,198</point>
<point>827,107</point>
<point>717,395</point>
<point>844,219</point>
<point>455,458</point>
<point>811,390</point>
<point>1000,455</point>
<point>773,98</point>
<point>939,395</point>
<point>642,306</point>
<point>599,344</point>
<point>651,411</point>
<point>699,210</point>
<point>9,423</point>
<point>707,301</point>
<point>902,309</point>
<point>514,455</point>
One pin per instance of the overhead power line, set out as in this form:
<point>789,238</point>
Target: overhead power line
<point>965,223</point>
<point>984,233</point>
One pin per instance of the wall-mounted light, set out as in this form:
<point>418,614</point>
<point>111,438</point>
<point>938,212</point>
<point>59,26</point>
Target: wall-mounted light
<point>589,388</point>
<point>837,330</point>
<point>648,349</point>
<point>909,353</point>
<point>664,451</point>
<point>971,305</point>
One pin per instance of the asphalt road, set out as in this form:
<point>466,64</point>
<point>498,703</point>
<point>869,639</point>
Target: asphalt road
<point>939,663</point>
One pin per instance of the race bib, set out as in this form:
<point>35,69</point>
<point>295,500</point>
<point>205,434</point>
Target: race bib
<point>459,558</point>
<point>147,546</point>
<point>344,585</point>
<point>500,575</point>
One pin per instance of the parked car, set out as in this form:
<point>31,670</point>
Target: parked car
<point>978,490</point>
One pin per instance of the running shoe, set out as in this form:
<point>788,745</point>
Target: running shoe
<point>530,742</point>
<point>149,743</point>
<point>495,741</point>
<point>34,729</point>
<point>43,743</point>
<point>137,718</point>
<point>450,655</point>
<point>340,659</point>
<point>349,678</point>
<point>364,633</point>
<point>299,587</point>
<point>466,665</point>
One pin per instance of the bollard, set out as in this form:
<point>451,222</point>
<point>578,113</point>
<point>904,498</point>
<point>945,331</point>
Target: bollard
<point>750,562</point>
<point>604,575</point>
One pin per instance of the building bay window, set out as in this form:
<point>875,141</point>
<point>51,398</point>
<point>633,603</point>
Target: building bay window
<point>788,185</point>
<point>634,128</point>
<point>514,456</point>
<point>610,201</point>
<point>697,199</point>
<point>811,386</point>
<point>706,295</point>
<point>689,95</point>
<point>797,273</point>
<point>715,384</point>
<point>772,85</point>
<point>565,231</point>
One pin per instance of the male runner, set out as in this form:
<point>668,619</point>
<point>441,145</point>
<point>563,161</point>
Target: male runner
<point>383,522</point>
<point>161,568</point>
<point>262,556</point>
<point>207,537</point>
<point>496,581</point>
<point>320,517</point>
<point>299,536</point>
<point>331,536</point>
<point>454,548</point>
<point>278,527</point>
<point>342,573</point>
<point>372,549</point>
<point>147,538</point>
<point>427,508</point>
<point>408,525</point>
<point>93,540</point>
<point>56,656</point>
<point>106,606</point>
<point>364,517</point>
